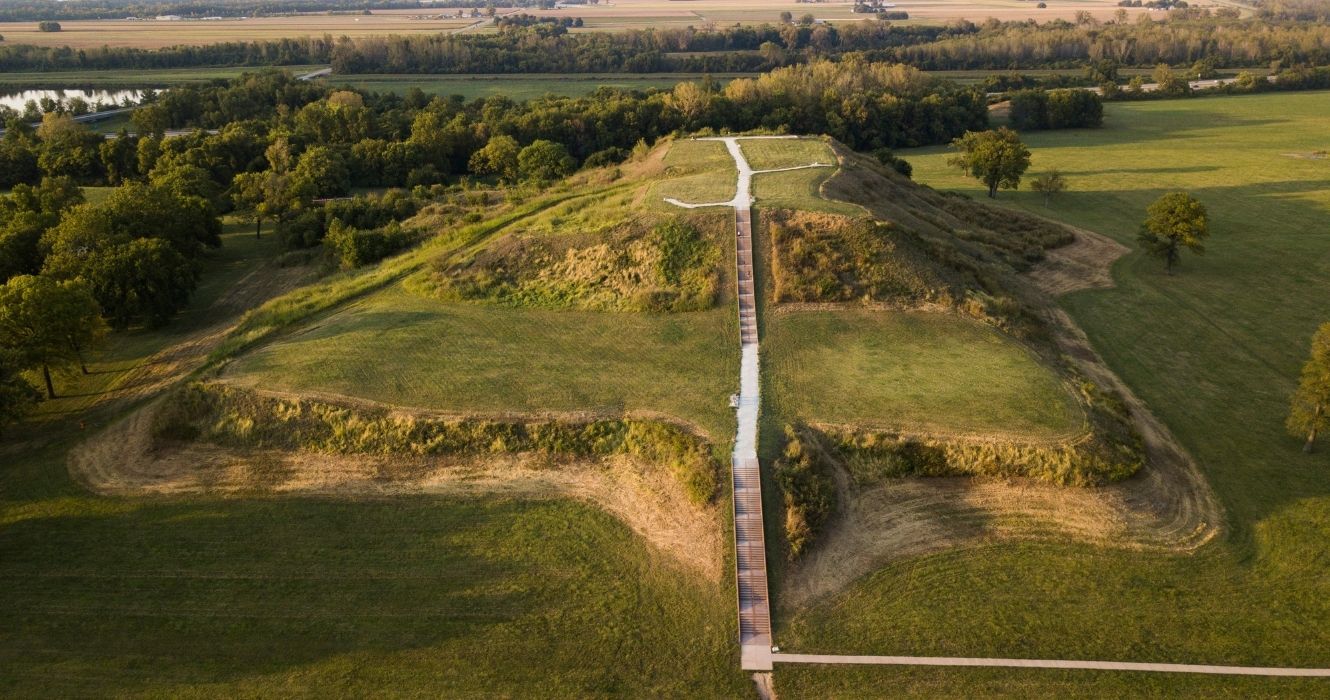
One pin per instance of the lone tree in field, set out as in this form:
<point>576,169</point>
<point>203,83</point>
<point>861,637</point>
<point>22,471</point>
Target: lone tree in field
<point>1310,412</point>
<point>1049,184</point>
<point>996,158</point>
<point>1175,221</point>
<point>48,323</point>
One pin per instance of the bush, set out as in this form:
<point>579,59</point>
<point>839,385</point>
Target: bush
<point>48,26</point>
<point>608,156</point>
<point>355,247</point>
<point>804,476</point>
<point>889,159</point>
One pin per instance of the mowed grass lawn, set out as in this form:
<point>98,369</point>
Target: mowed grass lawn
<point>697,172</point>
<point>413,596</point>
<point>770,154</point>
<point>409,350</point>
<point>911,371</point>
<point>1215,351</point>
<point>794,189</point>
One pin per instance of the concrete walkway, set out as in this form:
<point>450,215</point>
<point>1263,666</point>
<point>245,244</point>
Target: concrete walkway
<point>745,472</point>
<point>1052,663</point>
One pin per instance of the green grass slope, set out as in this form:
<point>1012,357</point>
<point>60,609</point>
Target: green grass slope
<point>1215,351</point>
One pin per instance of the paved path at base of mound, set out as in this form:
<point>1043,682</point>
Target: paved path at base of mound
<point>1051,663</point>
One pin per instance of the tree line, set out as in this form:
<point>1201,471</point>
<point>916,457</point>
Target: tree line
<point>1190,36</point>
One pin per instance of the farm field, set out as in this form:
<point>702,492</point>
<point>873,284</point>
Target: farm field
<point>626,14</point>
<point>648,13</point>
<point>131,79</point>
<point>82,34</point>
<point>1216,362</point>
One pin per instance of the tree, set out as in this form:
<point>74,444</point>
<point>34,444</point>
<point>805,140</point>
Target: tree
<point>119,157</point>
<point>321,172</point>
<point>1168,83</point>
<point>545,161</point>
<point>498,157</point>
<point>48,323</point>
<point>145,279</point>
<point>247,194</point>
<point>48,26</point>
<point>1173,222</point>
<point>996,158</point>
<point>17,396</point>
<point>67,147</point>
<point>1310,410</point>
<point>1049,184</point>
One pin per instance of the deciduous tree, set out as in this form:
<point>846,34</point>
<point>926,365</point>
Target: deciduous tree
<point>1173,222</point>
<point>1310,410</point>
<point>996,158</point>
<point>1049,184</point>
<point>48,323</point>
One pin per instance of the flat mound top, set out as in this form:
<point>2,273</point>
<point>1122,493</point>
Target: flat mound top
<point>400,348</point>
<point>924,372</point>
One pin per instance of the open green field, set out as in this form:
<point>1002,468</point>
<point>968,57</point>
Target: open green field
<point>487,358</point>
<point>921,371</point>
<point>155,77</point>
<point>1215,352</point>
<point>266,597</point>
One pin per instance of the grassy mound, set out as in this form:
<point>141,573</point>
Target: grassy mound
<point>827,258</point>
<point>593,253</point>
<point>237,417</point>
<point>925,373</point>
<point>1110,451</point>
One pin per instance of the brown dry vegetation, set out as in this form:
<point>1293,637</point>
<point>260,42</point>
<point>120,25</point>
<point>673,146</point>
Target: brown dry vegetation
<point>593,261</point>
<point>132,457</point>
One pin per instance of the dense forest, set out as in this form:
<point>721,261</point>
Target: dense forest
<point>547,47</point>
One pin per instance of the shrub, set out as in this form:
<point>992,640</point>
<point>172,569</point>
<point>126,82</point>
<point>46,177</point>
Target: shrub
<point>608,156</point>
<point>355,247</point>
<point>803,474</point>
<point>48,26</point>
